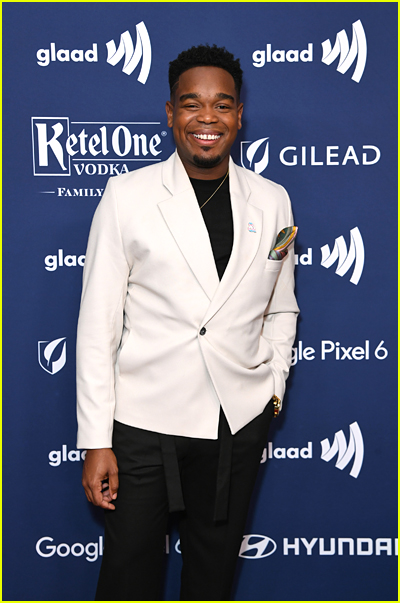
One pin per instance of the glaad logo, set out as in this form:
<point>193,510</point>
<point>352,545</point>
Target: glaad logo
<point>56,457</point>
<point>95,148</point>
<point>286,453</point>
<point>52,355</point>
<point>348,54</point>
<point>345,452</point>
<point>260,57</point>
<point>45,55</point>
<point>256,546</point>
<point>248,151</point>
<point>346,259</point>
<point>125,49</point>
<point>339,446</point>
<point>132,56</point>
<point>52,262</point>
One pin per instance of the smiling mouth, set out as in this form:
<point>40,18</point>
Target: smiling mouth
<point>207,136</point>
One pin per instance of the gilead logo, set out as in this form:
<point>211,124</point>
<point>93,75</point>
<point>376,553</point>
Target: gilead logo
<point>255,155</point>
<point>248,152</point>
<point>312,156</point>
<point>52,355</point>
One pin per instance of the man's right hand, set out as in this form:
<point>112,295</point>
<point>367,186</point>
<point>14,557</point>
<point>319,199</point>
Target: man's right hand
<point>100,465</point>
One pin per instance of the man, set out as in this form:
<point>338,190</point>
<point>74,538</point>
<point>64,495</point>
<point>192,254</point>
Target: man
<point>184,343</point>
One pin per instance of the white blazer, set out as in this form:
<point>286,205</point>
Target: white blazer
<point>150,288</point>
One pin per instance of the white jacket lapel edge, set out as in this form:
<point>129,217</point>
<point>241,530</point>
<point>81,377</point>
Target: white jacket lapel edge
<point>183,217</point>
<point>247,228</point>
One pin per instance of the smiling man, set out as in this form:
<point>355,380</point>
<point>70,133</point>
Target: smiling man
<point>184,343</point>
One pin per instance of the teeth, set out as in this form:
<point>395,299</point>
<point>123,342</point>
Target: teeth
<point>207,136</point>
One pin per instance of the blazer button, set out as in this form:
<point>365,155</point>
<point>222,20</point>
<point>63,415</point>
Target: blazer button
<point>203,331</point>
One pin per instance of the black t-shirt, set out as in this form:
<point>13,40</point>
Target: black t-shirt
<point>217,215</point>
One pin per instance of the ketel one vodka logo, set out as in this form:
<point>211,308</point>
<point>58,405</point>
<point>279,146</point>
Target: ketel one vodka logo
<point>61,147</point>
<point>52,355</point>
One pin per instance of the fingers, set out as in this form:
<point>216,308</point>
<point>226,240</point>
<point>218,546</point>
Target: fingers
<point>99,497</point>
<point>113,482</point>
<point>100,477</point>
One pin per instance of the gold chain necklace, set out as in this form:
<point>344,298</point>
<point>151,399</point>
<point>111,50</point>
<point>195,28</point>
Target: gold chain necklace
<point>216,190</point>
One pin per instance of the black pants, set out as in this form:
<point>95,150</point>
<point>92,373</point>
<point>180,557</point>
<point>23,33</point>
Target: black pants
<point>133,561</point>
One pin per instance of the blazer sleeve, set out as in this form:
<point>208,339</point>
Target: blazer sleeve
<point>280,317</point>
<point>100,324</point>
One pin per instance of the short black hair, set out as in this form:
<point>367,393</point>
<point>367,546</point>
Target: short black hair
<point>205,56</point>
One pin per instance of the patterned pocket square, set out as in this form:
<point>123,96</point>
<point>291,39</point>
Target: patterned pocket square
<point>283,240</point>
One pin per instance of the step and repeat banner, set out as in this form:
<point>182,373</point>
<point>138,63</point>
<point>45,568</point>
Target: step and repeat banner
<point>85,86</point>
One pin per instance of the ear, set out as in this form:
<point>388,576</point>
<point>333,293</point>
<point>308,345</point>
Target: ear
<point>240,112</point>
<point>169,108</point>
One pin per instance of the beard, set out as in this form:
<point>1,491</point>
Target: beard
<point>207,162</point>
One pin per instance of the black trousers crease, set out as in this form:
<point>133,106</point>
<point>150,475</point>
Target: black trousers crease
<point>134,546</point>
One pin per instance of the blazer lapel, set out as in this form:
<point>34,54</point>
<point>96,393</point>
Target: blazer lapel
<point>247,228</point>
<point>183,217</point>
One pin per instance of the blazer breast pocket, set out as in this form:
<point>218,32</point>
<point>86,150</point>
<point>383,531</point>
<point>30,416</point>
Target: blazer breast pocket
<point>271,272</point>
<point>273,265</point>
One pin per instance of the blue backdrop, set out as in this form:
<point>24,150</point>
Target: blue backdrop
<point>320,118</point>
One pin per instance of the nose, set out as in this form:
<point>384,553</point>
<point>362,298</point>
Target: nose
<point>207,115</point>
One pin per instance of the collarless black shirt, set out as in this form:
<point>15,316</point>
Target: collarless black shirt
<point>217,215</point>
